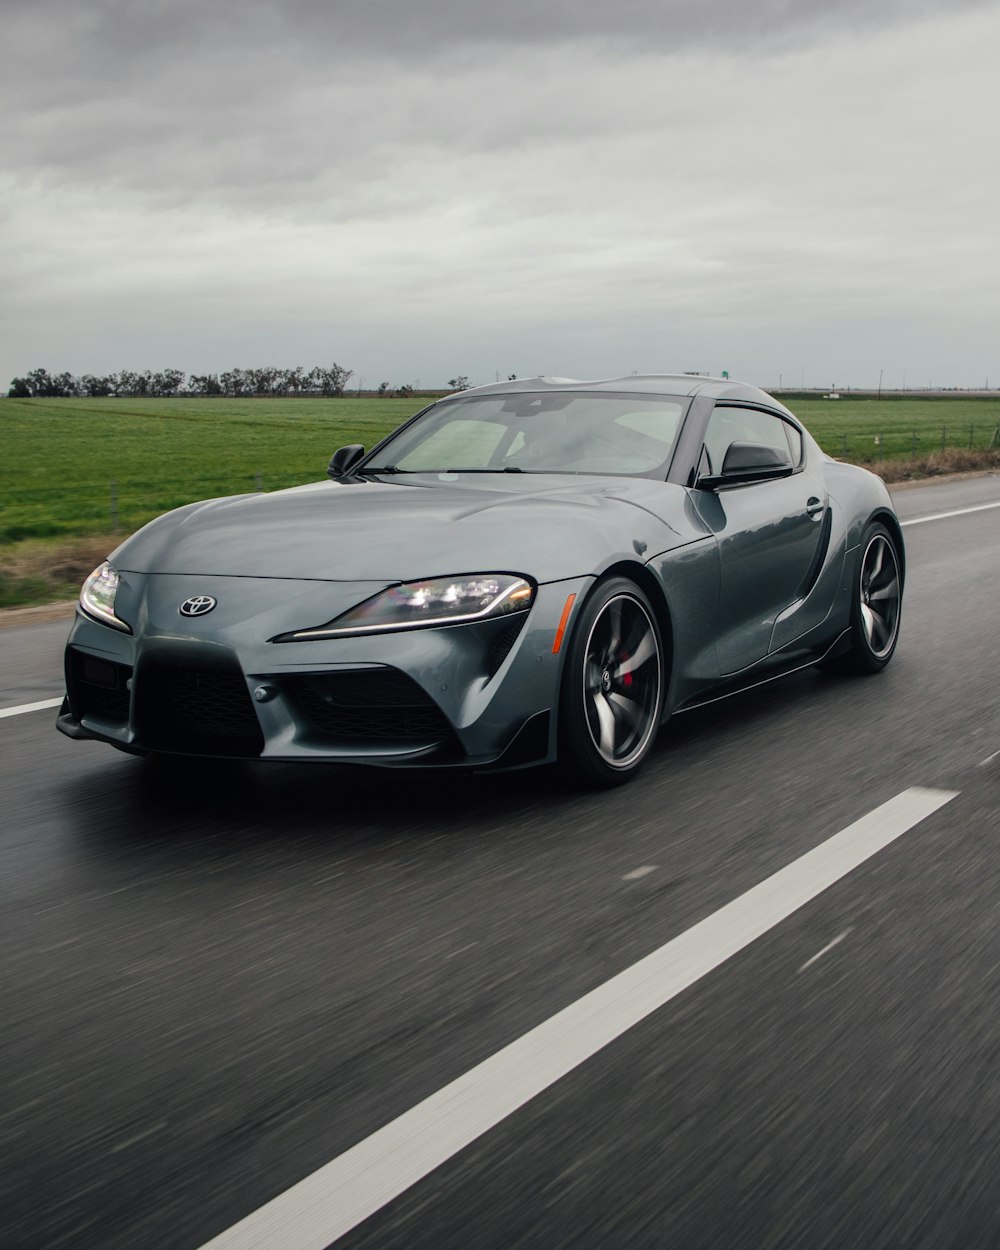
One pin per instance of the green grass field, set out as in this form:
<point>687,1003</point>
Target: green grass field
<point>906,429</point>
<point>86,466</point>
<point>63,460</point>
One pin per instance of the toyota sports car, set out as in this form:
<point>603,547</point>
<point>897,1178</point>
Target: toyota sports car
<point>542,570</point>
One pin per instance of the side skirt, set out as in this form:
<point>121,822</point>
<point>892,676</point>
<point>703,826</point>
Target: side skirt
<point>751,680</point>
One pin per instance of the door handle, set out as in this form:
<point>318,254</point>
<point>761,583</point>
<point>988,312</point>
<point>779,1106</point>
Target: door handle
<point>814,506</point>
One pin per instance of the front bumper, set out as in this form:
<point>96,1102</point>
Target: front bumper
<point>474,695</point>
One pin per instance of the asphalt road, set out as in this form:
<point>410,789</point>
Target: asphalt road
<point>213,986</point>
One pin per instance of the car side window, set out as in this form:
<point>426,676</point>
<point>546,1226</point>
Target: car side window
<point>749,425</point>
<point>794,442</point>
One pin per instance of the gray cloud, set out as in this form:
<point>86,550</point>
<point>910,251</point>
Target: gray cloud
<point>201,176</point>
<point>124,35</point>
<point>251,98</point>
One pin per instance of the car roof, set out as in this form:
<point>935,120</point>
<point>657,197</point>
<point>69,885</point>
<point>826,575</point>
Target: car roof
<point>640,384</point>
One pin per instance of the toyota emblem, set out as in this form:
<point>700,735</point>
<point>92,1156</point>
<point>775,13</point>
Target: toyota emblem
<point>197,605</point>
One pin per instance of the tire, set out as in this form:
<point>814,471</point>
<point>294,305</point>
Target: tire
<point>875,603</point>
<point>613,686</point>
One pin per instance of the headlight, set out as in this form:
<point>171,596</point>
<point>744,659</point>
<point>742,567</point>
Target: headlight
<point>98,596</point>
<point>440,601</point>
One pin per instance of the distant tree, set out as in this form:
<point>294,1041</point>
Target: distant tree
<point>404,391</point>
<point>234,381</point>
<point>95,387</point>
<point>166,382</point>
<point>511,377</point>
<point>296,380</point>
<point>461,383</point>
<point>263,381</point>
<point>39,383</point>
<point>384,390</point>
<point>142,384</point>
<point>333,378</point>
<point>204,384</point>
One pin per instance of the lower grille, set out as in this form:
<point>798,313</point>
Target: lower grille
<point>369,707</point>
<point>199,711</point>
<point>97,688</point>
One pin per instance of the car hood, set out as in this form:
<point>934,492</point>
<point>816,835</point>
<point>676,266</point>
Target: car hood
<point>550,527</point>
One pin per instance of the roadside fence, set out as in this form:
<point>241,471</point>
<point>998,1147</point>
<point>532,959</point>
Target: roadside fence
<point>898,444</point>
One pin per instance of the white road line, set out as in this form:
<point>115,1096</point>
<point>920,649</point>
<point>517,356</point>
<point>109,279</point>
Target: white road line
<point>638,873</point>
<point>30,707</point>
<point>942,516</point>
<point>336,1198</point>
<point>826,949</point>
<point>989,759</point>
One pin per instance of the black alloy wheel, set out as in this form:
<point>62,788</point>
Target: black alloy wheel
<point>877,600</point>
<point>613,686</point>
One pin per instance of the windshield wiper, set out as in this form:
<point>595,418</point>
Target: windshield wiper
<point>509,468</point>
<point>394,468</point>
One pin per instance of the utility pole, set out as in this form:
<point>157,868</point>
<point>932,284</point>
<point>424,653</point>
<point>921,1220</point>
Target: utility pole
<point>879,395</point>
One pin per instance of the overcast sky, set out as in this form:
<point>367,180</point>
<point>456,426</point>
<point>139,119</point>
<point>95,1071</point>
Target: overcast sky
<point>793,190</point>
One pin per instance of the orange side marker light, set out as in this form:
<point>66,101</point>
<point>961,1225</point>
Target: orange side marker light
<point>557,642</point>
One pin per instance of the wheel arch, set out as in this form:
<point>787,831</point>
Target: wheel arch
<point>650,585</point>
<point>884,516</point>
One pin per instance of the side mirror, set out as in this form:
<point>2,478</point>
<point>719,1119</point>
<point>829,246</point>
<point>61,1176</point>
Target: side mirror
<point>749,462</point>
<point>344,459</point>
<point>750,458</point>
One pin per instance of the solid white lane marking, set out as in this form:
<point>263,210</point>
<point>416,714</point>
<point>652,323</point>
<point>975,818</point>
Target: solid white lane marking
<point>941,516</point>
<point>336,1198</point>
<point>636,873</point>
<point>828,947</point>
<point>989,760</point>
<point>30,707</point>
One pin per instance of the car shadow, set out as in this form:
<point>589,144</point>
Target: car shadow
<point>220,806</point>
<point>212,807</point>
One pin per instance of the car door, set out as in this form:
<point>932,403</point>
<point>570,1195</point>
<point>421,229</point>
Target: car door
<point>768,532</point>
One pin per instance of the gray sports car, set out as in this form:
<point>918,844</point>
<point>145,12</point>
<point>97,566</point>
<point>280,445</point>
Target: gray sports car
<point>535,571</point>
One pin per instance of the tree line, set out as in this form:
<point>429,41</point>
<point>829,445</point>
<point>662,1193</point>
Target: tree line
<point>328,380</point>
<point>321,380</point>
<point>269,380</point>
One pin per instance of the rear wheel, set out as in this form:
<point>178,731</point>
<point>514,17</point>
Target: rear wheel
<point>613,686</point>
<point>875,608</point>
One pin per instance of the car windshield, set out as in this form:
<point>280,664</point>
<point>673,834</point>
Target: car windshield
<point>549,432</point>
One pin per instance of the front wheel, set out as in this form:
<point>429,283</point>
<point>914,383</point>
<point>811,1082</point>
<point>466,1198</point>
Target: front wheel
<point>613,686</point>
<point>876,603</point>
